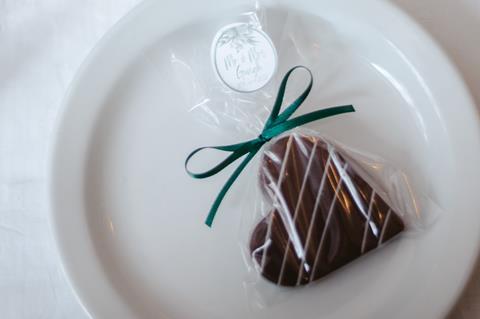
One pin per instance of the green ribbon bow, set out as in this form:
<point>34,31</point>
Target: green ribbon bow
<point>277,123</point>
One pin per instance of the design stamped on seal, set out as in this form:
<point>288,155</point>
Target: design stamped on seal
<point>244,57</point>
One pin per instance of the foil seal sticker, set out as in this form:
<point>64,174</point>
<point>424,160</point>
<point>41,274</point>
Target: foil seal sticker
<point>244,57</point>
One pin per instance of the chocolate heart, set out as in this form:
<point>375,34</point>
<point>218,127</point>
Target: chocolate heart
<point>325,215</point>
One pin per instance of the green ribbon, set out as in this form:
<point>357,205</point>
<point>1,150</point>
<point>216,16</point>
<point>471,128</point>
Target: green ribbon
<point>277,123</point>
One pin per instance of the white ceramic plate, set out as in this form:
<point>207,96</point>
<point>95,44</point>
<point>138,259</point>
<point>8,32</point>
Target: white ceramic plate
<point>129,222</point>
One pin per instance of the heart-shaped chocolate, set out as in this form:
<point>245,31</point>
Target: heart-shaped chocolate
<point>325,215</point>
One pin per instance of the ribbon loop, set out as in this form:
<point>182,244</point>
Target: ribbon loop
<point>274,115</point>
<point>217,168</point>
<point>276,124</point>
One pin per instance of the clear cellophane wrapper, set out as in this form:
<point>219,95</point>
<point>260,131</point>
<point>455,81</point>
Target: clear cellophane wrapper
<point>314,204</point>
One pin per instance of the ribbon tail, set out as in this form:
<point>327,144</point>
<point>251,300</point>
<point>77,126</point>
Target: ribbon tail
<point>307,118</point>
<point>226,187</point>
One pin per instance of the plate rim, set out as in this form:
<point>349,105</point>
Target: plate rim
<point>116,29</point>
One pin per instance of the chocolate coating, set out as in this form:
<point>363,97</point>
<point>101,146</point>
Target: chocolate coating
<point>325,215</point>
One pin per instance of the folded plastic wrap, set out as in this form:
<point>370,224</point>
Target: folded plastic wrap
<point>316,204</point>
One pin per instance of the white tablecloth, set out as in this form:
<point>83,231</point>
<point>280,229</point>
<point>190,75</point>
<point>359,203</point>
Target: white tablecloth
<point>42,43</point>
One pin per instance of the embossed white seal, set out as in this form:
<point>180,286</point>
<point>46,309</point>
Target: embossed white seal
<point>244,57</point>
